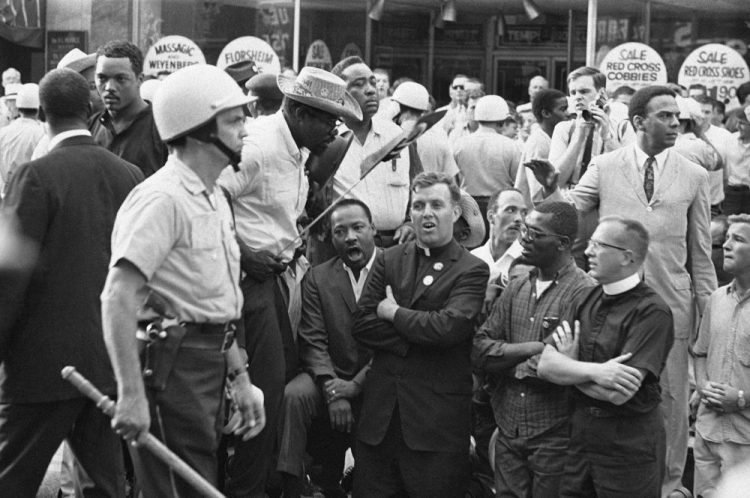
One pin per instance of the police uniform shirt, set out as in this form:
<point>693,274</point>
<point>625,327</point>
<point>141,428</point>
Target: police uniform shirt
<point>182,240</point>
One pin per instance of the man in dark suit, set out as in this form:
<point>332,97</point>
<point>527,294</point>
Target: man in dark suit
<point>322,400</point>
<point>66,202</point>
<point>418,314</point>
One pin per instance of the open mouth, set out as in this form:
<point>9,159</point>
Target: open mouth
<point>428,225</point>
<point>354,252</point>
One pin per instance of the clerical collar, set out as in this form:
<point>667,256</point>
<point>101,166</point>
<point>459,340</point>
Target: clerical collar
<point>621,286</point>
<point>433,252</point>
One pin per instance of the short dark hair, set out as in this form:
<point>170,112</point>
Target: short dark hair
<point>476,94</point>
<point>719,106</point>
<point>545,100</point>
<point>492,203</point>
<point>636,236</point>
<point>703,99</point>
<point>738,218</point>
<point>622,90</point>
<point>564,218</point>
<point>339,68</point>
<point>119,49</point>
<point>348,201</point>
<point>600,80</point>
<point>430,178</point>
<point>642,97</point>
<point>698,86</point>
<point>743,91</point>
<point>64,94</point>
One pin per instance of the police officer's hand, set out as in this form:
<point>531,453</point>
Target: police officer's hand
<point>131,417</point>
<point>545,173</point>
<point>261,265</point>
<point>340,414</point>
<point>405,233</point>
<point>248,416</point>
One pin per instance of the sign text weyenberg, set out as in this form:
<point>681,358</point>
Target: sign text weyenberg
<point>171,53</point>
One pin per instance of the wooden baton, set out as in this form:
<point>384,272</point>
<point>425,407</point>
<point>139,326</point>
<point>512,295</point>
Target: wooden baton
<point>146,439</point>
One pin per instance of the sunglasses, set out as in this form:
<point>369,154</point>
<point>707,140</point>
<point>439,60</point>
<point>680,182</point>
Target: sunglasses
<point>458,87</point>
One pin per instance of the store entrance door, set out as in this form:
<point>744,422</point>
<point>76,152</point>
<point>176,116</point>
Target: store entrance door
<point>512,73</point>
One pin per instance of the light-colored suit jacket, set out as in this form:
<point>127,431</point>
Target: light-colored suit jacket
<point>678,265</point>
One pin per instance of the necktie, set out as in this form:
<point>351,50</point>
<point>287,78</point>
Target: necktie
<point>648,178</point>
<point>587,148</point>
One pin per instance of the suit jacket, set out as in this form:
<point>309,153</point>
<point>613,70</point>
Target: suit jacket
<point>422,359</point>
<point>326,345</point>
<point>65,201</point>
<point>678,265</point>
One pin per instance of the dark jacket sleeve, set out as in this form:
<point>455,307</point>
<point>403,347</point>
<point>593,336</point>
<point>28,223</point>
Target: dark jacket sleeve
<point>369,330</point>
<point>313,336</point>
<point>454,323</point>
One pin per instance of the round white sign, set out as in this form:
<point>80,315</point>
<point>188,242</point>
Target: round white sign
<point>250,48</point>
<point>170,54</point>
<point>319,56</point>
<point>633,64</point>
<point>718,67</point>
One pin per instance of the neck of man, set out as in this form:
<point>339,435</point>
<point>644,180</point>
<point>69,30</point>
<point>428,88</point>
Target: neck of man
<point>645,144</point>
<point>742,282</point>
<point>360,128</point>
<point>205,159</point>
<point>127,115</point>
<point>498,247</point>
<point>55,127</point>
<point>548,127</point>
<point>548,271</point>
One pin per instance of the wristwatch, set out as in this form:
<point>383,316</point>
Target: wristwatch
<point>741,399</point>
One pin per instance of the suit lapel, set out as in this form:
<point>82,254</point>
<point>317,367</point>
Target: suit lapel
<point>630,171</point>
<point>341,280</point>
<point>447,259</point>
<point>669,172</point>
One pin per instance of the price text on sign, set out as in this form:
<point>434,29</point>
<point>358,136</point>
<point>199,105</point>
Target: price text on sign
<point>718,67</point>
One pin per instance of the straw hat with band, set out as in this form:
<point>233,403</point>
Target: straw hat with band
<point>470,212</point>
<point>77,60</point>
<point>322,90</point>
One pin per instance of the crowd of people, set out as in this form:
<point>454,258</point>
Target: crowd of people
<point>532,300</point>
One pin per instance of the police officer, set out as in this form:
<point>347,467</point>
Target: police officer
<point>174,238</point>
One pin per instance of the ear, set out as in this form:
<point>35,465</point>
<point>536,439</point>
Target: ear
<point>464,235</point>
<point>638,122</point>
<point>456,212</point>
<point>490,214</point>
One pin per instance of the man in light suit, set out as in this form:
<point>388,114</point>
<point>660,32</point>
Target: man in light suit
<point>321,402</point>
<point>649,182</point>
<point>418,314</point>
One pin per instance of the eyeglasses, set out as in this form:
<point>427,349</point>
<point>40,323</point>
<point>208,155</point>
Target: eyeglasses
<point>457,87</point>
<point>597,244</point>
<point>531,233</point>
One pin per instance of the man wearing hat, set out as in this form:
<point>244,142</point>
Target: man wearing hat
<point>487,160</point>
<point>241,72</point>
<point>268,96</point>
<point>386,188</point>
<point>174,238</point>
<point>126,125</point>
<point>8,110</point>
<point>468,230</point>
<point>433,148</point>
<point>269,193</point>
<point>18,139</point>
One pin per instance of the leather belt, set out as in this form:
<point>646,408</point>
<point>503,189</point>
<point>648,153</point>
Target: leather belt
<point>210,336</point>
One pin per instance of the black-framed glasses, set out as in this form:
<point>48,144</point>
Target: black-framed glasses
<point>598,244</point>
<point>532,233</point>
<point>458,87</point>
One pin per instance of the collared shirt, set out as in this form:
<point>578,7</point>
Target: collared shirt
<point>17,142</point>
<point>270,190</point>
<point>524,405</point>
<point>45,144</point>
<point>139,143</point>
<point>724,338</point>
<point>385,189</point>
<point>722,140</point>
<point>738,162</point>
<point>359,283</point>
<point>181,239</point>
<point>435,152</point>
<point>701,153</point>
<point>488,162</point>
<point>501,266</point>
<point>536,147</point>
<point>641,158</point>
<point>624,285</point>
<point>633,319</point>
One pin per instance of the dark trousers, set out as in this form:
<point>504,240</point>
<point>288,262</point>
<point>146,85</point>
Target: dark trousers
<point>273,360</point>
<point>528,467</point>
<point>187,416</point>
<point>615,457</point>
<point>30,433</point>
<point>736,200</point>
<point>392,469</point>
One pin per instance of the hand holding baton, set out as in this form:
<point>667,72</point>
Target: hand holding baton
<point>146,439</point>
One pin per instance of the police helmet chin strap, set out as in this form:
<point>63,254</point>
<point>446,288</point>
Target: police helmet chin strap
<point>234,157</point>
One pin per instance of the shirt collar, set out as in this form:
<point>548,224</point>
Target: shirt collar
<point>54,141</point>
<point>622,286</point>
<point>377,125</point>
<point>106,119</point>
<point>366,267</point>
<point>568,268</point>
<point>732,290</point>
<point>295,151</point>
<point>187,176</point>
<point>641,157</point>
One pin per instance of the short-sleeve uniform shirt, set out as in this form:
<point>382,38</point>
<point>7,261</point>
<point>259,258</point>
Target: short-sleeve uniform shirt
<point>181,238</point>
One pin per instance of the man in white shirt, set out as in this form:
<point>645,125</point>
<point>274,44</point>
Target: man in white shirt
<point>18,139</point>
<point>737,190</point>
<point>386,188</point>
<point>722,141</point>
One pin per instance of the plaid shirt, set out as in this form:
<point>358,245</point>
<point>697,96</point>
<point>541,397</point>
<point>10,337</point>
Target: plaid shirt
<point>524,405</point>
